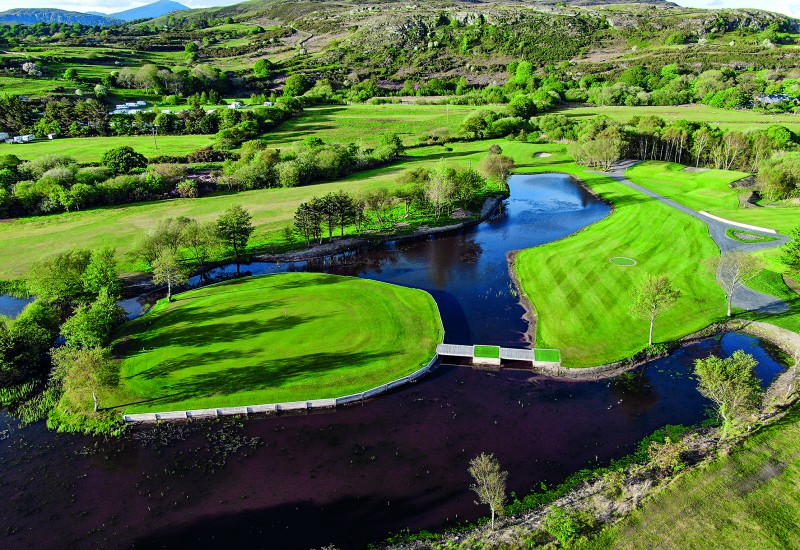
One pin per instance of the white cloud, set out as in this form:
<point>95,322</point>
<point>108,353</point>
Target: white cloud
<point>786,7</point>
<point>105,6</point>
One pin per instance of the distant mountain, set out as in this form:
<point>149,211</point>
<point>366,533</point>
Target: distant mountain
<point>150,11</point>
<point>30,16</point>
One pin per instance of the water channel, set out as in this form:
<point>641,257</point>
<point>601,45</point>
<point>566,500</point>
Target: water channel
<point>398,462</point>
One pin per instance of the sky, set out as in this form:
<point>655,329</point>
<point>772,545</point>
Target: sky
<point>104,6</point>
<point>788,7</point>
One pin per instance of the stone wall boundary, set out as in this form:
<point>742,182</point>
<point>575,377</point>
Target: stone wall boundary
<point>273,408</point>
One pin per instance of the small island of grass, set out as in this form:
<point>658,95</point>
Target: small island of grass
<point>272,339</point>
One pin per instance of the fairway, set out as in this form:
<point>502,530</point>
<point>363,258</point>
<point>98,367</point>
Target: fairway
<point>582,301</point>
<point>364,124</point>
<point>741,120</point>
<point>26,240</point>
<point>745,500</point>
<point>710,191</point>
<point>272,339</point>
<point>91,149</point>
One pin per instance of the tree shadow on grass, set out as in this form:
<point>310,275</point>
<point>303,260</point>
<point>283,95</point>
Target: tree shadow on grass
<point>224,332</point>
<point>276,373</point>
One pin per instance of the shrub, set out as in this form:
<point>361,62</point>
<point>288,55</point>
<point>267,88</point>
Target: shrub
<point>92,175</point>
<point>36,168</point>
<point>170,173</point>
<point>61,175</point>
<point>187,189</point>
<point>122,160</point>
<point>207,154</point>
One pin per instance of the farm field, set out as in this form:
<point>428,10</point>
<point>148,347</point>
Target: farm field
<point>26,240</point>
<point>581,298</point>
<point>274,338</point>
<point>743,120</point>
<point>709,191</point>
<point>87,150</point>
<point>745,500</point>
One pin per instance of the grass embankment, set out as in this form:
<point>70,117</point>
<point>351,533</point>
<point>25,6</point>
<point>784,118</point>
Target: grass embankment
<point>745,500</point>
<point>742,120</point>
<point>582,299</point>
<point>275,338</point>
<point>24,241</point>
<point>710,191</point>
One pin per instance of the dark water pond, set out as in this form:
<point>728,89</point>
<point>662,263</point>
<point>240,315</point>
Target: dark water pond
<point>350,477</point>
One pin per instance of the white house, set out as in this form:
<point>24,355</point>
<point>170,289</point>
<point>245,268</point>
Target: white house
<point>52,136</point>
<point>28,137</point>
<point>4,136</point>
<point>141,103</point>
<point>268,104</point>
<point>18,139</point>
<point>236,105</point>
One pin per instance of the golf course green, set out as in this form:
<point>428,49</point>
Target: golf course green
<point>272,339</point>
<point>582,300</point>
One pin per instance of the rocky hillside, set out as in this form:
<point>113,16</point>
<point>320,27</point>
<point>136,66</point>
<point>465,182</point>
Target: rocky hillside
<point>30,16</point>
<point>397,39</point>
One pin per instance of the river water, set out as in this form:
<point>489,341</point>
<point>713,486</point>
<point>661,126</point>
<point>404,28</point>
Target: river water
<point>351,476</point>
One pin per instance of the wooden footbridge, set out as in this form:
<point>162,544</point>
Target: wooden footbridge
<point>495,355</point>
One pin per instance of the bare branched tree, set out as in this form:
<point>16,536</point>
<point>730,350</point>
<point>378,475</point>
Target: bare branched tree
<point>732,269</point>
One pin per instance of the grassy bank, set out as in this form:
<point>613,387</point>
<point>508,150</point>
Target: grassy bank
<point>274,338</point>
<point>582,299</point>
<point>745,500</point>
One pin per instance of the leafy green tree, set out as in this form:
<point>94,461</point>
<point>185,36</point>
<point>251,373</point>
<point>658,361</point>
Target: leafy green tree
<point>652,297</point>
<point>91,325</point>
<point>308,220</point>
<point>234,228</point>
<point>25,343</point>
<point>71,74</point>
<point>296,85</point>
<point>83,373</point>
<point>168,269</point>
<point>101,273</point>
<point>166,235</point>
<point>790,252</point>
<point>731,385</point>
<point>262,68</point>
<point>200,239</point>
<point>59,278</point>
<point>490,482</point>
<point>122,160</point>
<point>475,124</point>
<point>496,167</point>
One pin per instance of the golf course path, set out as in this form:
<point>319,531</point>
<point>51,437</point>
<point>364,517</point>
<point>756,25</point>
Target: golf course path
<point>743,297</point>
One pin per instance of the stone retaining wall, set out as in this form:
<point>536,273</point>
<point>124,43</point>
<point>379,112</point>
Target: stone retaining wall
<point>278,407</point>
